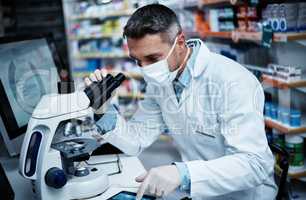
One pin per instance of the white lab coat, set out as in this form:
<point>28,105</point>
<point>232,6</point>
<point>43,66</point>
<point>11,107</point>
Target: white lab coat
<point>218,128</point>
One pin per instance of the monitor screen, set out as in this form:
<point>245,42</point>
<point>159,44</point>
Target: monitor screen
<point>27,72</point>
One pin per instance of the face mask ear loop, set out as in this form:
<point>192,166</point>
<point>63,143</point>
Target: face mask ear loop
<point>185,59</point>
<point>172,48</point>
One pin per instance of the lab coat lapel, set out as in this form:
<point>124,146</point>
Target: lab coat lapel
<point>202,60</point>
<point>185,94</point>
<point>172,95</point>
<point>200,65</point>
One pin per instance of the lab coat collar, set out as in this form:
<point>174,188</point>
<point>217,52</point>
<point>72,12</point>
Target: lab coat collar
<point>202,59</point>
<point>195,67</point>
<point>185,78</point>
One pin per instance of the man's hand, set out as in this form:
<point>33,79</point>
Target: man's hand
<point>159,181</point>
<point>98,75</point>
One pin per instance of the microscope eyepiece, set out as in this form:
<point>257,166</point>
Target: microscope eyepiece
<point>99,92</point>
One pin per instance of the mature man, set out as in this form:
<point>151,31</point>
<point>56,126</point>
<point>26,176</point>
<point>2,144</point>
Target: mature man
<point>211,105</point>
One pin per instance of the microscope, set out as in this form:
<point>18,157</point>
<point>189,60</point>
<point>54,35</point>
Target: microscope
<point>59,139</point>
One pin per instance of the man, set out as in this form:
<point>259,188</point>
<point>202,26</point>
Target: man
<point>211,105</point>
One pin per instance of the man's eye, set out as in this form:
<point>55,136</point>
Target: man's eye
<point>138,63</point>
<point>153,60</point>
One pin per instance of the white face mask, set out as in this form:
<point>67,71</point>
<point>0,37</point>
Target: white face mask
<point>159,72</point>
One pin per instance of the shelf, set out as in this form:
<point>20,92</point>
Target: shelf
<point>284,129</point>
<point>131,95</point>
<point>215,2</point>
<point>255,36</point>
<point>100,55</point>
<point>285,37</point>
<point>248,36</point>
<point>297,175</point>
<point>95,36</point>
<point>133,75</point>
<point>282,84</point>
<point>225,35</point>
<point>277,37</point>
<point>235,35</point>
<point>104,15</point>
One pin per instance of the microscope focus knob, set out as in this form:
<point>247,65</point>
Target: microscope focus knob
<point>55,177</point>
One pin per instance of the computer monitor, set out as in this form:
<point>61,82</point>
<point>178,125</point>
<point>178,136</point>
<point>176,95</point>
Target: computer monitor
<point>29,68</point>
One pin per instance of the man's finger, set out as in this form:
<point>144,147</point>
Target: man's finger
<point>87,81</point>
<point>141,178</point>
<point>159,192</point>
<point>152,189</point>
<point>98,75</point>
<point>143,187</point>
<point>92,77</point>
<point>103,72</point>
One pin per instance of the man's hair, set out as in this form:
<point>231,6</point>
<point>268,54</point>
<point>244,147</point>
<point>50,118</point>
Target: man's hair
<point>153,19</point>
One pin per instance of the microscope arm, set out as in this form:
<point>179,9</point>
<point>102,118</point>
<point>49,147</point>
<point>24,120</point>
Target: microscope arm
<point>99,92</point>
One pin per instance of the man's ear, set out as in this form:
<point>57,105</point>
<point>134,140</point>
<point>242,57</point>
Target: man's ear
<point>181,40</point>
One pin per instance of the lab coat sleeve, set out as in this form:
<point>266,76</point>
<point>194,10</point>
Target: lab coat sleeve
<point>248,161</point>
<point>107,121</point>
<point>141,131</point>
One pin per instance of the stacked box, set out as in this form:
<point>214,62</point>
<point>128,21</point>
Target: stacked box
<point>285,73</point>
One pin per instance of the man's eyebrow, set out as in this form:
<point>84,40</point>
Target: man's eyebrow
<point>154,55</point>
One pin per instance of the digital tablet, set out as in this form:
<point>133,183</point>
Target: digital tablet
<point>124,195</point>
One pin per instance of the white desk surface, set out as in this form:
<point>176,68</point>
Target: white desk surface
<point>125,181</point>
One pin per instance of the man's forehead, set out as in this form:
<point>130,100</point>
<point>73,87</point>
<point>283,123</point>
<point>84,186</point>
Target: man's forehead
<point>149,44</point>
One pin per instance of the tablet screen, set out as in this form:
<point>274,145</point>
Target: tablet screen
<point>130,196</point>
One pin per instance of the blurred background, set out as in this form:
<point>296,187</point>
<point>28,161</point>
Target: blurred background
<point>267,37</point>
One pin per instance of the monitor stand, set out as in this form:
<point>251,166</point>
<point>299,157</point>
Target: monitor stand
<point>6,189</point>
<point>3,151</point>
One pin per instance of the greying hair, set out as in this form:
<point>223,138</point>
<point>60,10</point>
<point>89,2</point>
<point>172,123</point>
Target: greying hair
<point>153,19</point>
